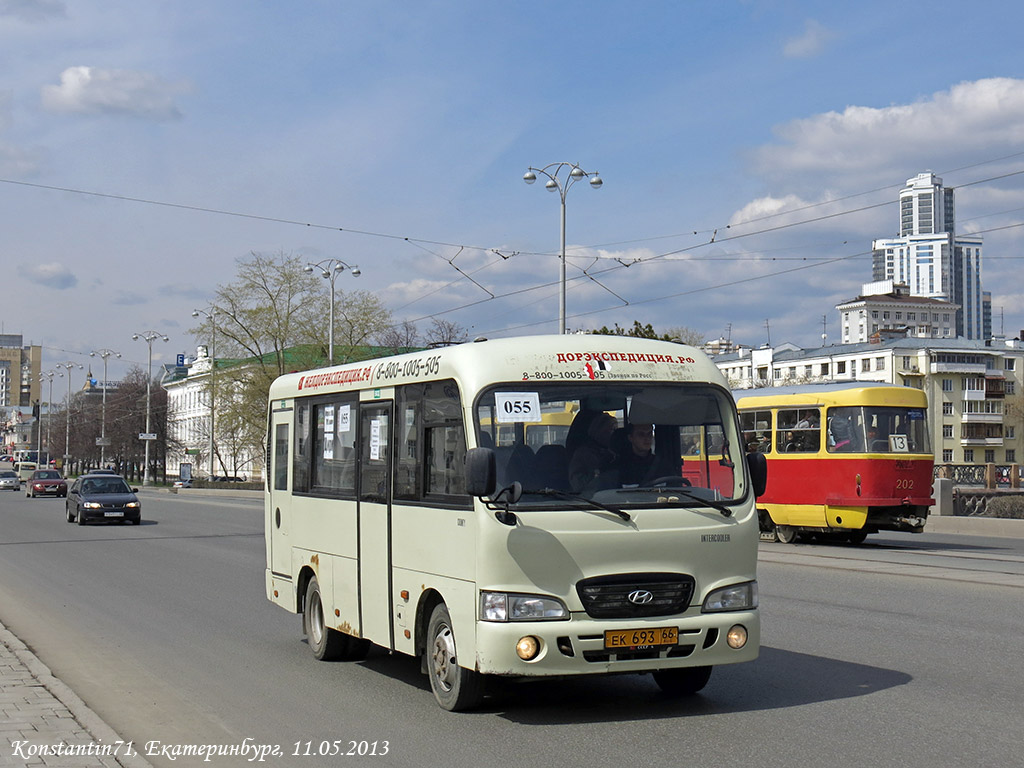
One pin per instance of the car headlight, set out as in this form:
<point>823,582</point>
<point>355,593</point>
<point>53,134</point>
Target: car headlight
<point>505,606</point>
<point>92,505</point>
<point>132,505</point>
<point>738,597</point>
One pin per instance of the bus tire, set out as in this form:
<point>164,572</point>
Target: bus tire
<point>327,644</point>
<point>682,682</point>
<point>455,688</point>
<point>857,537</point>
<point>787,534</point>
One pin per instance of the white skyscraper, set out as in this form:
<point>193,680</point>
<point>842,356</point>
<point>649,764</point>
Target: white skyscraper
<point>929,257</point>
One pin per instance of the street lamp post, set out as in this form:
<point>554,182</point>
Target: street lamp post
<point>67,413</point>
<point>149,337</point>
<point>104,353</point>
<point>329,270</point>
<point>562,186</point>
<point>212,317</point>
<point>48,376</point>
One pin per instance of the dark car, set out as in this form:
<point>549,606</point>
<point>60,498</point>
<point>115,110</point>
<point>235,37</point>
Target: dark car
<point>104,498</point>
<point>46,482</point>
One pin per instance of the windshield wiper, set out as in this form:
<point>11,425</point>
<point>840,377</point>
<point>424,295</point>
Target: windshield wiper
<point>726,511</point>
<point>575,497</point>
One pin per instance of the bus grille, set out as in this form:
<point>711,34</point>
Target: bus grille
<point>608,597</point>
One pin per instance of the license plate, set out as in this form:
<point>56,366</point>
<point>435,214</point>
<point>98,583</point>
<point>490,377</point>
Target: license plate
<point>113,514</point>
<point>633,639</point>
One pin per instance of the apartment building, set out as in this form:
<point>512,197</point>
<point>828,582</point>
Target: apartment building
<point>975,390</point>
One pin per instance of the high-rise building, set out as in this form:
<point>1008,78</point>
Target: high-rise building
<point>931,259</point>
<point>19,371</point>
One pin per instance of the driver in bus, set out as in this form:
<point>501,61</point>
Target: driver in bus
<point>639,464</point>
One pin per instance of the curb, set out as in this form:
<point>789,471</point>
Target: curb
<point>975,526</point>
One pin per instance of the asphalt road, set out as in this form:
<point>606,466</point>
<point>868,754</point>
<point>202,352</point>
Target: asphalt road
<point>904,651</point>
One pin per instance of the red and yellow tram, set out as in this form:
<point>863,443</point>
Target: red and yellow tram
<point>844,459</point>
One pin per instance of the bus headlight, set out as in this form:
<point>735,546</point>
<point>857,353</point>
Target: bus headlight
<point>505,606</point>
<point>738,597</point>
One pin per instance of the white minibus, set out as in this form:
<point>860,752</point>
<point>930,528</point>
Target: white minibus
<point>406,508</point>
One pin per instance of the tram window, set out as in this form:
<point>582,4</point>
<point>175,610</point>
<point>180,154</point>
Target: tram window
<point>798,431</point>
<point>756,427</point>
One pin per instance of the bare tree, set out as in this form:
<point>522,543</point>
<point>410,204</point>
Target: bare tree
<point>444,332</point>
<point>271,320</point>
<point>398,338</point>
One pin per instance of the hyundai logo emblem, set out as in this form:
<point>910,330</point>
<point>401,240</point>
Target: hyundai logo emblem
<point>640,597</point>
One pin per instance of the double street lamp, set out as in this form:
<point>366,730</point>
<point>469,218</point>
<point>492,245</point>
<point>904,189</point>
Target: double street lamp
<point>149,337</point>
<point>45,376</point>
<point>104,353</point>
<point>329,270</point>
<point>562,186</point>
<point>68,366</point>
<point>212,317</point>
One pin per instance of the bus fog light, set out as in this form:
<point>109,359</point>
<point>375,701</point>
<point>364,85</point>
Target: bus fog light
<point>737,636</point>
<point>527,648</point>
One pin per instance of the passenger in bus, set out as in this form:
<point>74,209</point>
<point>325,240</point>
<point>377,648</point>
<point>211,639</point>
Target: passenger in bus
<point>594,456</point>
<point>639,464</point>
<point>840,434</point>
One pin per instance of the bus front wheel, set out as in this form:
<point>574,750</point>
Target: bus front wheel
<point>682,682</point>
<point>455,688</point>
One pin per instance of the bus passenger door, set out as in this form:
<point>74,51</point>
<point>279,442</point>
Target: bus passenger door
<point>375,523</point>
<point>279,482</point>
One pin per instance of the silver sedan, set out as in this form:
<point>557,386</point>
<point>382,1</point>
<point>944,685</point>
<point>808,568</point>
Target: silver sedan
<point>9,480</point>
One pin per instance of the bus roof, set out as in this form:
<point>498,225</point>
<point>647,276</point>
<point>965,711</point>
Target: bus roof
<point>520,359</point>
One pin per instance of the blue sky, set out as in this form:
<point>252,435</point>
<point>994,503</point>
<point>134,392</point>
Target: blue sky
<point>402,130</point>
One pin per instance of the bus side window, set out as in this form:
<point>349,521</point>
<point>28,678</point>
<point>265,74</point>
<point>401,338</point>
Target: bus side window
<point>281,458</point>
<point>431,450</point>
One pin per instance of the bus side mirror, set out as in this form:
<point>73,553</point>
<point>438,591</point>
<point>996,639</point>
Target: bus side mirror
<point>758,466</point>
<point>481,472</point>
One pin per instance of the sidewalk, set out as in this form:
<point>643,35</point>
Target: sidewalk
<point>43,722</point>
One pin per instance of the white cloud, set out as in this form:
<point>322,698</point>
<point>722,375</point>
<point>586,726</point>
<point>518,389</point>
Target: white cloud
<point>90,90</point>
<point>810,43</point>
<point>53,275</point>
<point>976,120</point>
<point>32,10</point>
<point>766,206</point>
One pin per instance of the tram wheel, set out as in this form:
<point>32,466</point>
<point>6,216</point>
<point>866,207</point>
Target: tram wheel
<point>787,534</point>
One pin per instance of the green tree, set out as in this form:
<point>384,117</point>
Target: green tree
<point>680,334</point>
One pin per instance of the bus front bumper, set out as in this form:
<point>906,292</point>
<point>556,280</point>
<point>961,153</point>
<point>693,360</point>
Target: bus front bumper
<point>578,646</point>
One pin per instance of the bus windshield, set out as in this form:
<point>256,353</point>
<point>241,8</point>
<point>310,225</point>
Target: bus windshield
<point>877,429</point>
<point>612,443</point>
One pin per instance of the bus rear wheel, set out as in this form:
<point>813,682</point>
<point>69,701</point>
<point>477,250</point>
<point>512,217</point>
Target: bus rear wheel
<point>327,644</point>
<point>682,682</point>
<point>455,688</point>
